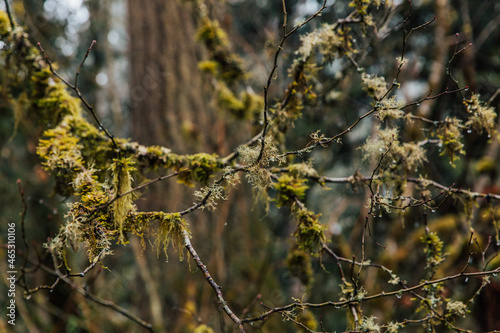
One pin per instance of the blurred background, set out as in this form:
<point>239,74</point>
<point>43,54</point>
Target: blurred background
<point>143,78</point>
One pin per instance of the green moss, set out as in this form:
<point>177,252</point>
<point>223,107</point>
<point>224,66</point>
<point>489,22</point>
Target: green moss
<point>247,106</point>
<point>433,249</point>
<point>5,26</point>
<point>88,220</point>
<point>227,100</point>
<point>56,104</point>
<point>202,165</point>
<point>211,33</point>
<point>60,152</point>
<point>299,264</point>
<point>40,80</point>
<point>209,66</point>
<point>289,188</point>
<point>309,234</point>
<point>228,64</point>
<point>485,165</point>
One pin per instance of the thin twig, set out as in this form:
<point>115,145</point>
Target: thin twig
<point>23,231</point>
<point>372,297</point>
<point>213,284</point>
<point>273,70</point>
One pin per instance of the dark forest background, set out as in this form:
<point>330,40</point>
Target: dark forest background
<point>145,80</point>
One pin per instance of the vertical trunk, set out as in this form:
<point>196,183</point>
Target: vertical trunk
<point>171,106</point>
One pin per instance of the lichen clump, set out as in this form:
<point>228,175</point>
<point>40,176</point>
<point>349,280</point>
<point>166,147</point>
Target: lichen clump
<point>482,117</point>
<point>328,40</point>
<point>451,139</point>
<point>404,156</point>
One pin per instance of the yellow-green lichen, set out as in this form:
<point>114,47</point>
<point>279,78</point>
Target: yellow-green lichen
<point>208,66</point>
<point>397,156</point>
<point>450,139</point>
<point>433,249</point>
<point>57,103</point>
<point>122,185</point>
<point>228,66</point>
<point>328,40</point>
<point>171,231</point>
<point>60,152</point>
<point>307,318</point>
<point>482,117</point>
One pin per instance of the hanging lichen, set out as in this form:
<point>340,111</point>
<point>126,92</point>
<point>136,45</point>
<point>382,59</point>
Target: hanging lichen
<point>122,185</point>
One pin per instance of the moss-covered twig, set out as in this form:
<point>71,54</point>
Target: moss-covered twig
<point>75,88</point>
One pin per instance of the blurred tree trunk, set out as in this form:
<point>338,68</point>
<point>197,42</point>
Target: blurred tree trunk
<point>171,105</point>
<point>169,100</point>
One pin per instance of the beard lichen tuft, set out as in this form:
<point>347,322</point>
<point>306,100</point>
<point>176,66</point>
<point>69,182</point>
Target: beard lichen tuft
<point>122,183</point>
<point>210,194</point>
<point>482,117</point>
<point>171,231</point>
<point>328,40</point>
<point>451,138</point>
<point>374,85</point>
<point>434,250</point>
<point>405,157</point>
<point>258,174</point>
